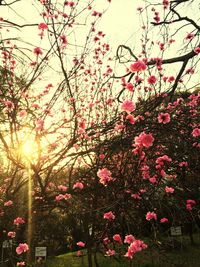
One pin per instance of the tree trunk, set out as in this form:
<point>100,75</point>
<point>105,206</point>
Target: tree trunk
<point>95,259</point>
<point>89,256</point>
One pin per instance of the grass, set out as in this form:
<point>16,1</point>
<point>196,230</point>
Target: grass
<point>183,256</point>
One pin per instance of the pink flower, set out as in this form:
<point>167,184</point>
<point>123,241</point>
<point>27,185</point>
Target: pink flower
<point>11,234</point>
<point>18,221</point>
<point>138,66</point>
<point>42,26</point>
<point>110,252</point>
<point>21,263</point>
<point>9,104</point>
<point>152,79</point>
<point>130,87</point>
<point>189,36</point>
<point>22,113</point>
<point>135,246</point>
<point>104,175</point>
<point>109,216</point>
<point>62,197</point>
<point>63,40</point>
<point>169,189</point>
<point>8,203</point>
<point>197,50</point>
<point>130,118</point>
<point>102,156</point>
<point>196,132</point>
<point>37,51</point>
<point>164,220</point>
<point>129,239</point>
<point>78,253</point>
<point>144,139</point>
<point>78,185</point>
<point>39,125</point>
<point>164,118</point>
<point>22,247</point>
<point>151,215</point>
<point>62,188</point>
<point>128,106</point>
<point>80,244</point>
<point>117,238</point>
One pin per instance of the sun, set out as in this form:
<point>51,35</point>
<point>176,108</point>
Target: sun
<point>29,148</point>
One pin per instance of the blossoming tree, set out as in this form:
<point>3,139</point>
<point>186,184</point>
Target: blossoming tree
<point>121,150</point>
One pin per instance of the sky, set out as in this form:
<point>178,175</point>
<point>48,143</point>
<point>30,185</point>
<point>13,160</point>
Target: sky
<point>120,21</point>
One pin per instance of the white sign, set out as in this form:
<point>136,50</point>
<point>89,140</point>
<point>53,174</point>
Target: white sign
<point>40,251</point>
<point>175,231</point>
<point>7,244</point>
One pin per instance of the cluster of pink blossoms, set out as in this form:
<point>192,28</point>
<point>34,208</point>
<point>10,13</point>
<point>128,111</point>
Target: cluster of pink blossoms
<point>109,216</point>
<point>151,215</point>
<point>63,197</point>
<point>190,203</point>
<point>104,175</point>
<point>144,139</point>
<point>22,247</point>
<point>135,245</point>
<point>18,221</point>
<point>128,106</point>
<point>164,118</point>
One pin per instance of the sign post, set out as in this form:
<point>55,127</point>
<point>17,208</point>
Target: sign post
<point>7,244</point>
<point>40,254</point>
<point>175,231</point>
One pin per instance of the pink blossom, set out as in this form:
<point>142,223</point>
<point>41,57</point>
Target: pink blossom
<point>104,175</point>
<point>197,50</point>
<point>78,253</point>
<point>37,51</point>
<point>169,189</point>
<point>9,104</point>
<point>117,238</point>
<point>62,197</point>
<point>153,180</point>
<point>129,239</point>
<point>152,79</point>
<point>102,156</point>
<point>189,36</point>
<point>191,201</point>
<point>130,118</point>
<point>62,188</point>
<point>11,234</point>
<point>42,26</point>
<point>170,79</point>
<point>144,139</point>
<point>151,215</point>
<point>128,106</point>
<point>164,220</point>
<point>165,4</point>
<point>130,87</point>
<point>18,221</point>
<point>63,40</point>
<point>110,252</point>
<point>8,203</point>
<point>78,185</point>
<point>80,244</point>
<point>164,118</point>
<point>21,263</point>
<point>138,66</point>
<point>135,246</point>
<point>22,247</point>
<point>196,132</point>
<point>109,216</point>
<point>39,125</point>
<point>22,113</point>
